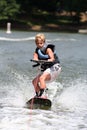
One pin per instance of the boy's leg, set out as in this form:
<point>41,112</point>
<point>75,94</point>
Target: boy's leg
<point>35,83</point>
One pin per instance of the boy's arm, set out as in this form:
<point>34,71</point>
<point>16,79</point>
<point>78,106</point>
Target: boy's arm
<point>51,54</point>
<point>35,56</point>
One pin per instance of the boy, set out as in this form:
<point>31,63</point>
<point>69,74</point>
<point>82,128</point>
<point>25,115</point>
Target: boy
<point>50,71</point>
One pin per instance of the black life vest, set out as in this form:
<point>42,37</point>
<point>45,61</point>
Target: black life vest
<point>43,56</point>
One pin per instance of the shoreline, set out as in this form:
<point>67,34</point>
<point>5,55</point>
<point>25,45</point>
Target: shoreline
<point>48,23</point>
<point>46,28</point>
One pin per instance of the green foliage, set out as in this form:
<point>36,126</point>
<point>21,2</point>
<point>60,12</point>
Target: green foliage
<point>75,5</point>
<point>46,5</point>
<point>8,9</point>
<point>31,6</point>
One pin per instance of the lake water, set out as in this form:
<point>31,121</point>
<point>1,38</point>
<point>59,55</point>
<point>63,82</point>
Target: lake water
<point>68,93</point>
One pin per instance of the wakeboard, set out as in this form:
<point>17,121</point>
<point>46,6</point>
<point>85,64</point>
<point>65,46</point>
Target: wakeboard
<point>39,103</point>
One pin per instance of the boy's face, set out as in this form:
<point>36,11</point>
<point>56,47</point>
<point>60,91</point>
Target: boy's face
<point>39,43</point>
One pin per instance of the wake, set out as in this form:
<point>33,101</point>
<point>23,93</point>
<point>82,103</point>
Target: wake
<point>16,39</point>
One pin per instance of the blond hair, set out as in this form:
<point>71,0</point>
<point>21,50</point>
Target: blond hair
<point>41,36</point>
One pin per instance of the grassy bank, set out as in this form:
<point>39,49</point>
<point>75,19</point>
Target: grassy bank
<point>45,22</point>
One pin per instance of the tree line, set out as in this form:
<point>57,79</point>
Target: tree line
<point>11,9</point>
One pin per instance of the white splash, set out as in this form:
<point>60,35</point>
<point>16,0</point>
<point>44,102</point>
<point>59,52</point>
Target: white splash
<point>74,97</point>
